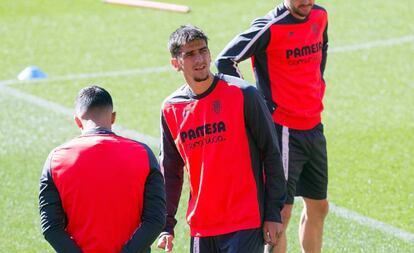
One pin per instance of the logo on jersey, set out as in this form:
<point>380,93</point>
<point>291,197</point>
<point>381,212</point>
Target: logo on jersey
<point>202,131</point>
<point>211,133</point>
<point>303,55</point>
<point>304,51</point>
<point>217,106</point>
<point>315,29</point>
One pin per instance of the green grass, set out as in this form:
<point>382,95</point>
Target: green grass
<point>370,125</point>
<point>28,134</point>
<point>369,115</point>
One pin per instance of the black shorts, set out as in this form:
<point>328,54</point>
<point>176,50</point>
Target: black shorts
<point>305,162</point>
<point>243,241</point>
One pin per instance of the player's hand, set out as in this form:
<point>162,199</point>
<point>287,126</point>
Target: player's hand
<point>165,242</point>
<point>272,231</point>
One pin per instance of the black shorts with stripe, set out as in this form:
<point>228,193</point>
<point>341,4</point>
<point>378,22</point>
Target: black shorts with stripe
<point>243,241</point>
<point>305,162</point>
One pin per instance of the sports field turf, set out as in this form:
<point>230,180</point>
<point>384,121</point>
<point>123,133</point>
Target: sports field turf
<point>369,104</point>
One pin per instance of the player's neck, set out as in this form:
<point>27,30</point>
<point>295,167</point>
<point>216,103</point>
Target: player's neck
<point>200,87</point>
<point>90,125</point>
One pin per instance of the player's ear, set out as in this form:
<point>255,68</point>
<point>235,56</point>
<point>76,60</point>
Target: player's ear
<point>113,117</point>
<point>175,64</point>
<point>78,122</point>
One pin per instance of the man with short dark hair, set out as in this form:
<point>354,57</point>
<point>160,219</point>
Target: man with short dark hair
<point>219,129</point>
<point>101,192</point>
<point>288,48</point>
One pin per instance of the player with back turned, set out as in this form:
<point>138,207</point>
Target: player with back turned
<point>101,192</point>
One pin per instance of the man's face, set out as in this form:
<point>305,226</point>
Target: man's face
<point>300,8</point>
<point>194,61</point>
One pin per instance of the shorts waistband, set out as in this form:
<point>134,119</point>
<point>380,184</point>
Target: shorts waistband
<point>318,127</point>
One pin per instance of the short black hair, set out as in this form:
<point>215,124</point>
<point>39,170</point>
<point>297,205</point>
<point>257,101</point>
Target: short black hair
<point>182,36</point>
<point>92,97</point>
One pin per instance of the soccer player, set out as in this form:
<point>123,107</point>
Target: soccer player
<point>219,129</point>
<point>288,49</point>
<point>101,192</point>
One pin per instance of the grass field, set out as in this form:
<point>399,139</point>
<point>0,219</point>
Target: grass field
<point>369,105</point>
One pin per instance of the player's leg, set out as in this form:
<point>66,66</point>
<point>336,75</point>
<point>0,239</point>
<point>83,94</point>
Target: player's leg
<point>294,157</point>
<point>312,186</point>
<point>243,241</point>
<point>311,224</point>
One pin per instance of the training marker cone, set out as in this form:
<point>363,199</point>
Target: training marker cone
<point>31,73</point>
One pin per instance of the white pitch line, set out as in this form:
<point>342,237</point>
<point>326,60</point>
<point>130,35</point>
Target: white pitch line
<point>373,44</point>
<point>371,223</point>
<point>132,72</point>
<point>72,77</point>
<point>152,141</point>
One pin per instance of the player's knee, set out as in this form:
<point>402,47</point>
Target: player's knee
<point>323,209</point>
<point>317,209</point>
